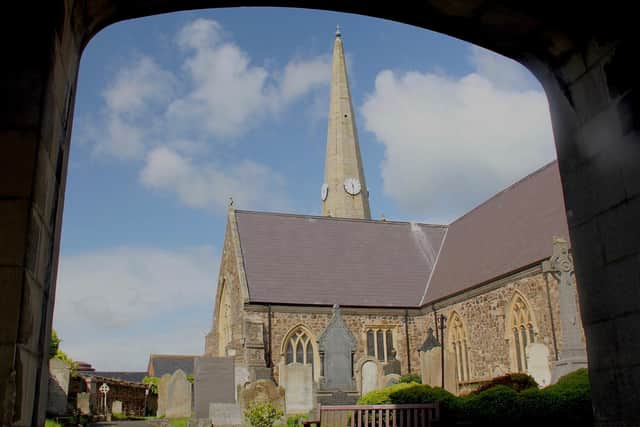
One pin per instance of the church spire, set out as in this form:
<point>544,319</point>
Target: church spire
<point>344,192</point>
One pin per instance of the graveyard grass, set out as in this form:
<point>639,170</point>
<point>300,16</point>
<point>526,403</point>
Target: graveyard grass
<point>179,422</point>
<point>51,423</point>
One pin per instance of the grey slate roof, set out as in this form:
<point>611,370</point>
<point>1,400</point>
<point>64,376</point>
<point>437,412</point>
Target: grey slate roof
<point>510,231</point>
<point>131,376</point>
<point>160,364</point>
<point>315,260</point>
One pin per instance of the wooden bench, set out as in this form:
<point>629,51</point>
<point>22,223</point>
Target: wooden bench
<point>410,415</point>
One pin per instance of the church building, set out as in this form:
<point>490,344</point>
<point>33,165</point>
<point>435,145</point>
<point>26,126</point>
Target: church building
<point>335,305</point>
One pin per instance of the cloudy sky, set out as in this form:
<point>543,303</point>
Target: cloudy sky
<point>177,113</point>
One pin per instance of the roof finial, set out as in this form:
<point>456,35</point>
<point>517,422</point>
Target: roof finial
<point>338,31</point>
<point>230,201</point>
<point>383,218</point>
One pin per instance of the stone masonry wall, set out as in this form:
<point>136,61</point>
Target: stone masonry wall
<point>483,314</point>
<point>228,282</point>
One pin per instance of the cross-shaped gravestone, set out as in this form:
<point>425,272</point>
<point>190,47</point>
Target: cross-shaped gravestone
<point>104,389</point>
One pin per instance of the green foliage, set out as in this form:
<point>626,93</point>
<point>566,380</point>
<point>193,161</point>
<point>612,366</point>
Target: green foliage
<point>54,345</point>
<point>190,378</point>
<point>263,414</point>
<point>179,422</point>
<point>411,378</point>
<point>518,382</point>
<point>154,383</point>
<point>516,403</point>
<point>296,420</point>
<point>51,423</point>
<point>119,416</point>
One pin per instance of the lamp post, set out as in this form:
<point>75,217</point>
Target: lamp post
<point>443,321</point>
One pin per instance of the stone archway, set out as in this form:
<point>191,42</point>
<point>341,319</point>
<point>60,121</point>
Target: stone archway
<point>581,54</point>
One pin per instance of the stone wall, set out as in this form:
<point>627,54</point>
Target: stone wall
<point>484,312</point>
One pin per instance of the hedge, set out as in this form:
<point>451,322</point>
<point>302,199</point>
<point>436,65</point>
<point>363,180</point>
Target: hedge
<point>568,402</point>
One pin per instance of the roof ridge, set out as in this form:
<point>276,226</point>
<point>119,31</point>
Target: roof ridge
<point>332,218</point>
<point>518,182</point>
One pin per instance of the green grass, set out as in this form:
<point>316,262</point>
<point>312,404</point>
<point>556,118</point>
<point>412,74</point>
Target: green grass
<point>179,422</point>
<point>51,423</point>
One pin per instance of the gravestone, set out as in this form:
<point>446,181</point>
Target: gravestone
<point>297,380</point>
<point>261,391</point>
<point>538,363</point>
<point>225,415</point>
<point>162,394</point>
<point>178,396</point>
<point>59,373</point>
<point>391,379</point>
<point>116,407</point>
<point>370,373</point>
<point>338,345</point>
<point>214,383</point>
<point>83,403</point>
<point>431,364</point>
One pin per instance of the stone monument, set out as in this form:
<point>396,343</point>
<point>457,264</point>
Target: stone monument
<point>538,363</point>
<point>431,364</point>
<point>338,345</point>
<point>59,374</point>
<point>178,396</point>
<point>297,380</point>
<point>573,354</point>
<point>162,394</point>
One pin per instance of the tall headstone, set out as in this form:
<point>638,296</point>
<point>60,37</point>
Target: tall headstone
<point>297,380</point>
<point>83,403</point>
<point>573,353</point>
<point>162,394</point>
<point>178,396</point>
<point>431,364</point>
<point>59,374</point>
<point>338,346</point>
<point>370,374</point>
<point>538,363</point>
<point>116,407</point>
<point>214,383</point>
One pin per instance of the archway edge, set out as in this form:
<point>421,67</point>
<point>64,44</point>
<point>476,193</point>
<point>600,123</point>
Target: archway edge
<point>517,31</point>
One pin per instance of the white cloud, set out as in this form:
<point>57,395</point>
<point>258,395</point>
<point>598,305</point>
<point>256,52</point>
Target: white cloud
<point>206,185</point>
<point>110,302</point>
<point>164,118</point>
<point>451,143</point>
<point>502,72</point>
<point>229,95</point>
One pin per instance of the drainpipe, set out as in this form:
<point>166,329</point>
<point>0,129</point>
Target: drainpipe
<point>406,334</point>
<point>270,358</point>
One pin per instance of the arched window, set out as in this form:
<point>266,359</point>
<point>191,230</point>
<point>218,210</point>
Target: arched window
<point>299,348</point>
<point>380,344</point>
<point>521,331</point>
<point>459,346</point>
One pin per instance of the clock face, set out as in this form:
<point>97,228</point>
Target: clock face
<point>352,186</point>
<point>324,191</point>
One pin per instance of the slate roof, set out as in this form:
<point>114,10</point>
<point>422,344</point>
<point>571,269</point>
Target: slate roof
<point>510,231</point>
<point>316,260</point>
<point>134,377</point>
<point>160,364</point>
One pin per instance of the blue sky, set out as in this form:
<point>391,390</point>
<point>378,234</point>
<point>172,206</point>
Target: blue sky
<point>176,113</point>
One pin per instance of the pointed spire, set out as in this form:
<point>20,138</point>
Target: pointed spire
<point>344,192</point>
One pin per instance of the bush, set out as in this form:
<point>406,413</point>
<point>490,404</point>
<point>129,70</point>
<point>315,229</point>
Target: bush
<point>411,378</point>
<point>263,414</point>
<point>296,420</point>
<point>519,402</point>
<point>516,382</point>
<point>495,406</point>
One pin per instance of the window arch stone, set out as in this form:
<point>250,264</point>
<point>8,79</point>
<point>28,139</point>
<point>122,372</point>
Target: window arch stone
<point>459,346</point>
<point>301,346</point>
<point>520,331</point>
